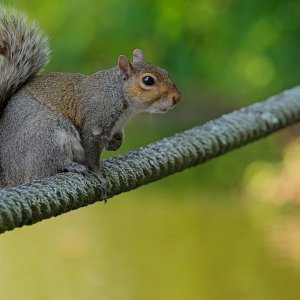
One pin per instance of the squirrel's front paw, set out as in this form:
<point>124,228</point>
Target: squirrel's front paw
<point>115,142</point>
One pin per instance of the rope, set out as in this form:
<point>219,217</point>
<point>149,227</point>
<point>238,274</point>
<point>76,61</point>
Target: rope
<point>33,202</point>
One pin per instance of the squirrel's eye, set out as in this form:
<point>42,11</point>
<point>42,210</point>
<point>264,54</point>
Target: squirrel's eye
<point>148,80</point>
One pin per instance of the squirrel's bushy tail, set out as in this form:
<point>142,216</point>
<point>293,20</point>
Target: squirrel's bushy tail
<point>24,51</point>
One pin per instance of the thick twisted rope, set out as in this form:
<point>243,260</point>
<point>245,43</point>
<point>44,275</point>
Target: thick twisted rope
<point>30,203</point>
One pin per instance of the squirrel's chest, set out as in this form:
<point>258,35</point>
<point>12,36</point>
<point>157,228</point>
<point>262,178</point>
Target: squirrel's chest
<point>122,120</point>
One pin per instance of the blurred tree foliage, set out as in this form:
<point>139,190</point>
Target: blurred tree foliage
<point>223,54</point>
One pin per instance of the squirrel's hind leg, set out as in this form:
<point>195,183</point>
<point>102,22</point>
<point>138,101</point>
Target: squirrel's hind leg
<point>57,150</point>
<point>39,144</point>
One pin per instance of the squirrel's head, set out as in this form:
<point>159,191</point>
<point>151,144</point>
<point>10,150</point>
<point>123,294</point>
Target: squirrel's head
<point>149,86</point>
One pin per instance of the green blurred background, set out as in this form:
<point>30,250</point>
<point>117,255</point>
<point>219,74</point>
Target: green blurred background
<point>229,229</point>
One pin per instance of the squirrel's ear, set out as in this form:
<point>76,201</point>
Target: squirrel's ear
<point>124,66</point>
<point>138,55</point>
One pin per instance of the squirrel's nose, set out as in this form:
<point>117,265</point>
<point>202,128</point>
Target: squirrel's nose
<point>176,98</point>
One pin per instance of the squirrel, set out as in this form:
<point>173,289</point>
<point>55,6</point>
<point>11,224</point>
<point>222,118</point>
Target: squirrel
<point>61,122</point>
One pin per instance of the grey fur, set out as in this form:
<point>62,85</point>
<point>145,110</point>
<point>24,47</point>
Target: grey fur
<point>28,154</point>
<point>58,122</point>
<point>24,51</point>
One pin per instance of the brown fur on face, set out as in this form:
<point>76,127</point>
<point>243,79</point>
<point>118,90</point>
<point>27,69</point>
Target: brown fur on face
<point>159,97</point>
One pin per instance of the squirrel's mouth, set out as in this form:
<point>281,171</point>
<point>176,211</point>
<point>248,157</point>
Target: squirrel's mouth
<point>158,110</point>
<point>163,110</point>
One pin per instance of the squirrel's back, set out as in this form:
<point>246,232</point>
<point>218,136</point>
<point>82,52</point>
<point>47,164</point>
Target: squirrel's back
<point>62,90</point>
<point>24,50</point>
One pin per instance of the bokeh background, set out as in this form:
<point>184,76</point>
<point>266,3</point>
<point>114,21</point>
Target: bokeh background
<point>229,229</point>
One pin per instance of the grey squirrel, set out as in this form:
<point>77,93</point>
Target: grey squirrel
<point>61,122</point>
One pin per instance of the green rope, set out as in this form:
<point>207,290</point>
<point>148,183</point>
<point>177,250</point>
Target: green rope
<point>30,203</point>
